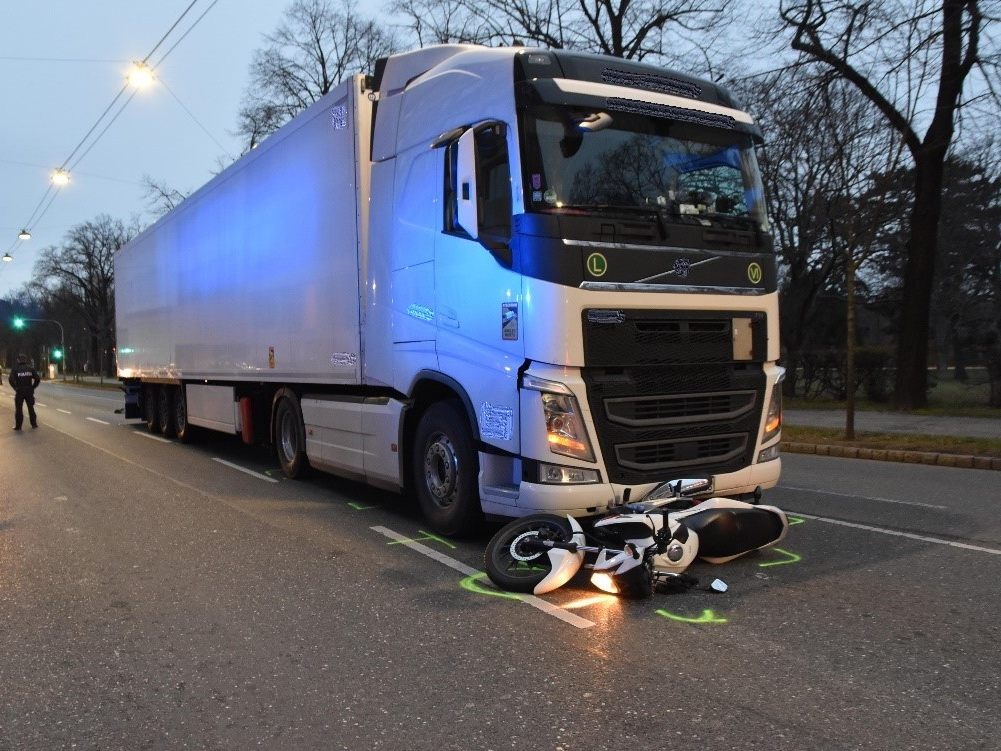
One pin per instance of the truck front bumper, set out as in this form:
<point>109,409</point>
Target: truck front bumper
<point>587,500</point>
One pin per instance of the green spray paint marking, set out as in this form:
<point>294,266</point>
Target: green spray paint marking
<point>472,584</point>
<point>707,616</point>
<point>358,507</point>
<point>794,520</point>
<point>790,558</point>
<point>424,536</point>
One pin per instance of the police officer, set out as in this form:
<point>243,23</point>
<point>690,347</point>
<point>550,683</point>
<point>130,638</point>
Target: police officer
<point>24,379</point>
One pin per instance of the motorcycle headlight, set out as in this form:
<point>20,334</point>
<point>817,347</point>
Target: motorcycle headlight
<point>773,416</point>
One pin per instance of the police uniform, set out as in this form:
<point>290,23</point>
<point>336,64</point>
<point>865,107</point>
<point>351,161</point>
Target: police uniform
<point>25,379</point>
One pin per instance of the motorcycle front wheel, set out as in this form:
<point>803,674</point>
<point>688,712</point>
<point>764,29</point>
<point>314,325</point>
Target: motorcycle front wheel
<point>510,565</point>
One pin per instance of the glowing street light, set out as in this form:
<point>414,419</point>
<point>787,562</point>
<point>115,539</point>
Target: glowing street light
<point>140,76</point>
<point>60,177</point>
<point>7,258</point>
<point>24,235</point>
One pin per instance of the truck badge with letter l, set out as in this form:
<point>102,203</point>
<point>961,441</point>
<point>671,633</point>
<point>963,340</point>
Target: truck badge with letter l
<point>509,321</point>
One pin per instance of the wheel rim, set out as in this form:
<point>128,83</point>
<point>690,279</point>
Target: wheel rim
<point>288,438</point>
<point>514,562</point>
<point>441,470</point>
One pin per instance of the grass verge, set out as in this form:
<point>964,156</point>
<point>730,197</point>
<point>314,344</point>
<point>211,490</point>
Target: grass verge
<point>941,444</point>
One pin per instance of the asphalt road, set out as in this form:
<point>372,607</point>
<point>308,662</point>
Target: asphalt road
<point>152,596</point>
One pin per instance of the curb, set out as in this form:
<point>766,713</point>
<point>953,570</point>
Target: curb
<point>964,461</point>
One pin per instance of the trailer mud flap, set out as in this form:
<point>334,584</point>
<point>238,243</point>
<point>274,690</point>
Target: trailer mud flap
<point>133,391</point>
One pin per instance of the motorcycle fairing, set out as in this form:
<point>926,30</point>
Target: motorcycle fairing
<point>728,529</point>
<point>563,563</point>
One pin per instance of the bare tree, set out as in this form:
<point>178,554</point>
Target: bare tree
<point>79,276</point>
<point>902,56</point>
<point>313,49</point>
<point>632,29</point>
<point>160,197</point>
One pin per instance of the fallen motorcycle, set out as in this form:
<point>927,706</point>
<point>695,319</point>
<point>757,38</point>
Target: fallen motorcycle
<point>645,546</point>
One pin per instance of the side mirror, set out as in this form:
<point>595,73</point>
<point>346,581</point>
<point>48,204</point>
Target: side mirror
<point>465,173</point>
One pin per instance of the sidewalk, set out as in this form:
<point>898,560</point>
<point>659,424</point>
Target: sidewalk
<point>898,422</point>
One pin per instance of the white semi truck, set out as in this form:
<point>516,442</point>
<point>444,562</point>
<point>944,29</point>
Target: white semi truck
<point>504,280</point>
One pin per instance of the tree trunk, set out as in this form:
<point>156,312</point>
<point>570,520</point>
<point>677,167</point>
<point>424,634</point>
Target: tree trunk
<point>911,388</point>
<point>850,347</point>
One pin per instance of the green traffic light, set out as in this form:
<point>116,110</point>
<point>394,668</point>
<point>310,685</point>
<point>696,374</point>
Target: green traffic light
<point>18,323</point>
<point>57,354</point>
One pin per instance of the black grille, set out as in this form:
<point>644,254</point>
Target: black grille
<point>666,396</point>
<point>680,453</point>
<point>675,409</point>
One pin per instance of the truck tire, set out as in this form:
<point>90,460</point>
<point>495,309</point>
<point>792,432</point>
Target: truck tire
<point>290,435</point>
<point>151,410</point>
<point>445,470</point>
<point>165,410</point>
<point>182,428</point>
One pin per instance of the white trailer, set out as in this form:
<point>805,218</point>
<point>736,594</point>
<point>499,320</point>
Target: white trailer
<point>506,280</point>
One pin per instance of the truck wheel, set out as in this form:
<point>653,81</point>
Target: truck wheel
<point>182,428</point>
<point>151,410</point>
<point>165,410</point>
<point>290,436</point>
<point>445,470</point>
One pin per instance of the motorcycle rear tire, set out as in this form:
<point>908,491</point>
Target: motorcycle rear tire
<point>516,572</point>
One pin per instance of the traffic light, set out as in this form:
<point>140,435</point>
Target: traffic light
<point>18,323</point>
<point>57,354</point>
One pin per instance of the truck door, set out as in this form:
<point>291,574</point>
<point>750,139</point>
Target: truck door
<point>478,297</point>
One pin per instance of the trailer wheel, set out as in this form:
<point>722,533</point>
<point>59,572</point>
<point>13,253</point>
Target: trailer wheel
<point>182,428</point>
<point>165,410</point>
<point>290,435</point>
<point>445,470</point>
<point>151,411</point>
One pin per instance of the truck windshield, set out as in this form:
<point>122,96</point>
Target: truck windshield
<point>579,161</point>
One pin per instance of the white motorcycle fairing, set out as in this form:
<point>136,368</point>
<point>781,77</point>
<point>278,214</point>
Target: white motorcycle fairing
<point>564,562</point>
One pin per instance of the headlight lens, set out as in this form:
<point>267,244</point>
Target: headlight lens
<point>554,474</point>
<point>773,418</point>
<point>565,428</point>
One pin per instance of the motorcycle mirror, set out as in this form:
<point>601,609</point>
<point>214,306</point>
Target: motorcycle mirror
<point>718,585</point>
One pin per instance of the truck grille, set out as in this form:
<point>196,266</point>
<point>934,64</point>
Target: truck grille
<point>666,396</point>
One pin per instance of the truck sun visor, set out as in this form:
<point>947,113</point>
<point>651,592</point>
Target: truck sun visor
<point>680,114</point>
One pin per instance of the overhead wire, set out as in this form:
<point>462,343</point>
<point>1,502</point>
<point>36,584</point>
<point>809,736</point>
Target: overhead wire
<point>63,167</point>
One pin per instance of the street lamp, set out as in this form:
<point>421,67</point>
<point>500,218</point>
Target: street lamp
<point>24,235</point>
<point>140,76</point>
<point>7,258</point>
<point>60,177</point>
<point>19,324</point>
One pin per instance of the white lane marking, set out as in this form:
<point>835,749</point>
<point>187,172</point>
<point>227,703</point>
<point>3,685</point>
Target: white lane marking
<point>258,475</point>
<point>64,411</point>
<point>897,533</point>
<point>152,437</point>
<point>861,497</point>
<point>39,404</point>
<point>94,419</point>
<point>536,602</point>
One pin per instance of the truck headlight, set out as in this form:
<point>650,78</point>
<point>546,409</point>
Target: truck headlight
<point>565,429</point>
<point>555,474</point>
<point>773,417</point>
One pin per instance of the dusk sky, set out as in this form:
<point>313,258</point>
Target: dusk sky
<point>49,104</point>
